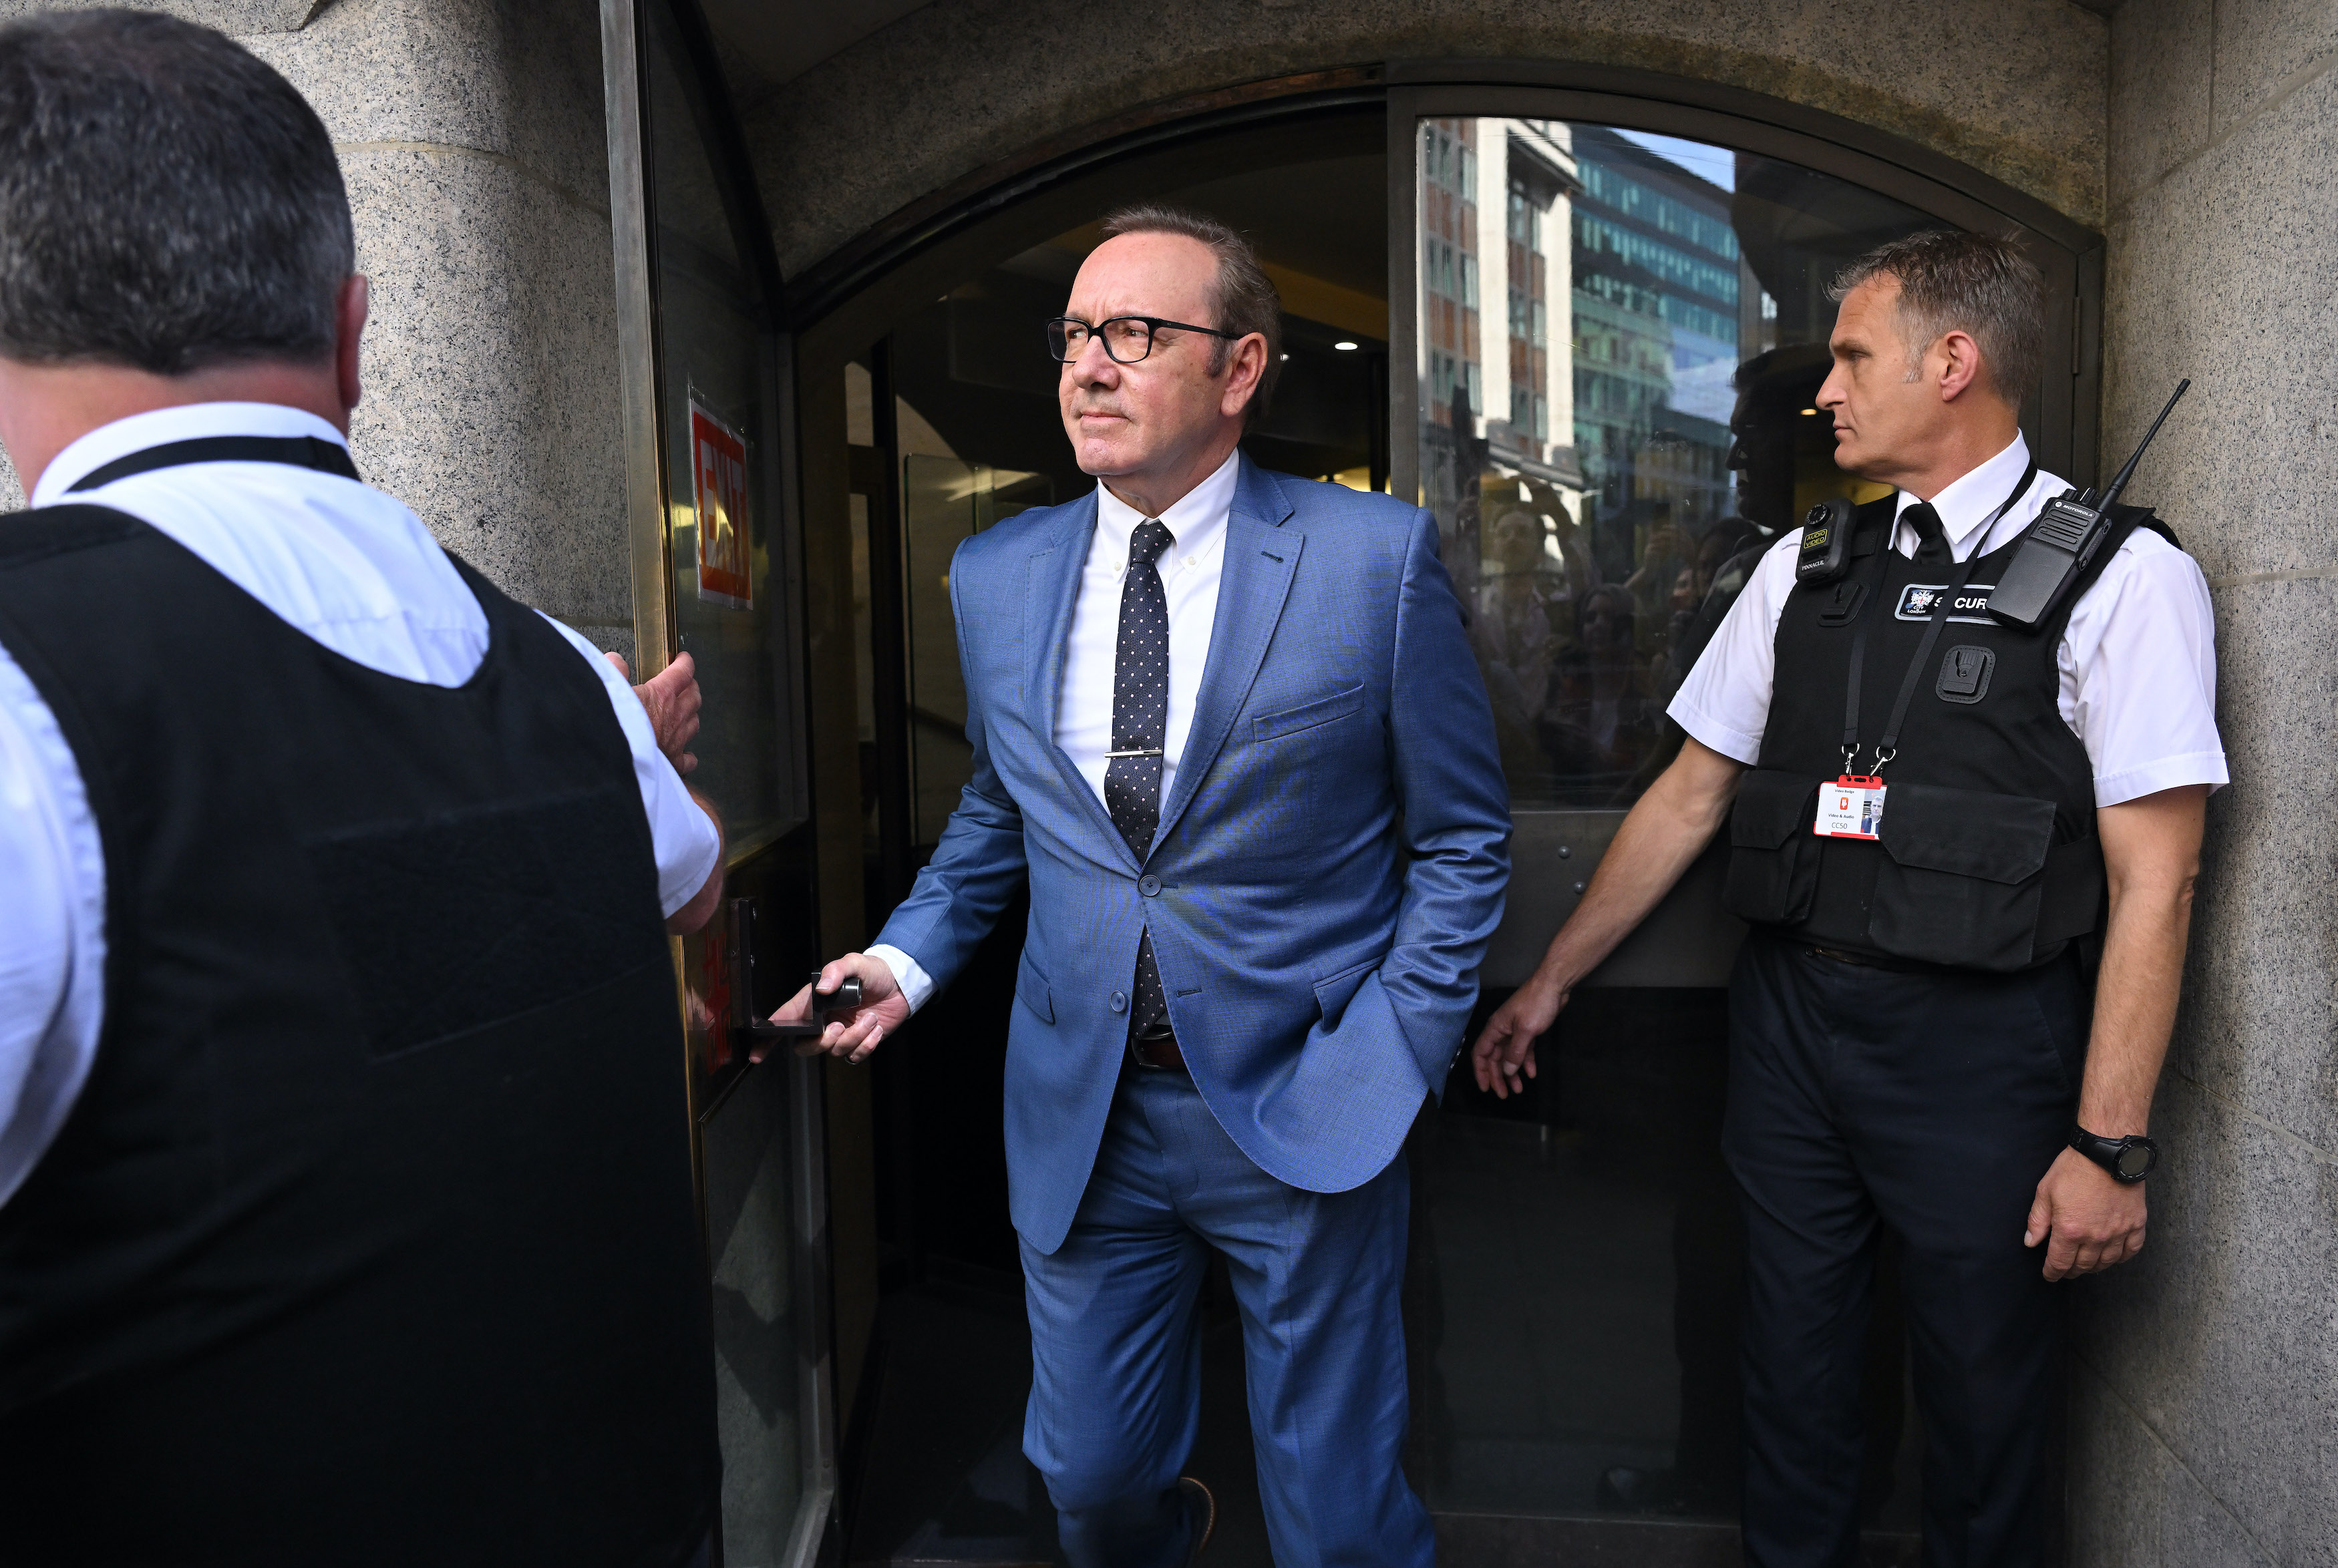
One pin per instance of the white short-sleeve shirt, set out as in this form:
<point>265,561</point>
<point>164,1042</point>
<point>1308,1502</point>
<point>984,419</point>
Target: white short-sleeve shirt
<point>2137,658</point>
<point>343,564</point>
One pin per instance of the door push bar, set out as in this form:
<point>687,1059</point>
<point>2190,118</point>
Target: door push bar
<point>746,1019</point>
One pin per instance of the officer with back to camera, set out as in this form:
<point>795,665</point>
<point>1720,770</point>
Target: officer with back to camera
<point>1950,1014</point>
<point>345,1197</point>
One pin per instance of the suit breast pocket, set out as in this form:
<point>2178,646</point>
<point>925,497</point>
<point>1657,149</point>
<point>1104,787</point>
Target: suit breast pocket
<point>1299,753</point>
<point>1284,723</point>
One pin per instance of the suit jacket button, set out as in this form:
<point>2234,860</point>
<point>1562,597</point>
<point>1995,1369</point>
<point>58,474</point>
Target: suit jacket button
<point>1149,885</point>
<point>1120,1001</point>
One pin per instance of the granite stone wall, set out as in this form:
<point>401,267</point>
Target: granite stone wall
<point>2206,1398</point>
<point>2011,87</point>
<point>472,135</point>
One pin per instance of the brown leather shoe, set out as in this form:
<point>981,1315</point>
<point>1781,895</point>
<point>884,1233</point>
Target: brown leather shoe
<point>1201,1506</point>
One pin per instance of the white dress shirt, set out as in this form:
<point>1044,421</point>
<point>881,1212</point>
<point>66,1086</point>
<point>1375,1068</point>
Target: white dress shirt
<point>344,564</point>
<point>1190,569</point>
<point>2138,657</point>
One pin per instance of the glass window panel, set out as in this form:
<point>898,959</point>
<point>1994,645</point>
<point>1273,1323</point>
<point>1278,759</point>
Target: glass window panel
<point>1607,449</point>
<point>1639,428</point>
<point>731,601</point>
<point>718,386</point>
<point>748,1155</point>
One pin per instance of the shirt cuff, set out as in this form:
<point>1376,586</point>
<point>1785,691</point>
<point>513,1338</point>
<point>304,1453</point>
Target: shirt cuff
<point>2166,773</point>
<point>915,985</point>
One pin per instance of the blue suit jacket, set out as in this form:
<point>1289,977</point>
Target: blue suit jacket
<point>1329,863</point>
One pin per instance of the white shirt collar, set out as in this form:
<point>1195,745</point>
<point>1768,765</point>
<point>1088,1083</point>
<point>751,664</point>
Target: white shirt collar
<point>1197,521</point>
<point>1976,494</point>
<point>189,422</point>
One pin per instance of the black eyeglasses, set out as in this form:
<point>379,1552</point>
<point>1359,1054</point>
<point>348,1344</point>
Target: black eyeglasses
<point>1126,338</point>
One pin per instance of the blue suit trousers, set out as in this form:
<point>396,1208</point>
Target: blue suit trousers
<point>1116,1349</point>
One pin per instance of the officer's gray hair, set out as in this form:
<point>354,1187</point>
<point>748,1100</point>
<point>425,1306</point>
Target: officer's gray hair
<point>1245,298</point>
<point>1982,284</point>
<point>166,200</point>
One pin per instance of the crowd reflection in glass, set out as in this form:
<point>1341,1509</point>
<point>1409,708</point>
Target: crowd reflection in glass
<point>1621,336</point>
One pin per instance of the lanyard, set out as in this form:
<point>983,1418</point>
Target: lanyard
<point>1888,747</point>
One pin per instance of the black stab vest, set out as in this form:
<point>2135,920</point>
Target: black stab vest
<point>1987,857</point>
<point>370,1238</point>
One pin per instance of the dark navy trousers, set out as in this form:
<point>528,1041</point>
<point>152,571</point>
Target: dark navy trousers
<point>1116,1348</point>
<point>1933,1104</point>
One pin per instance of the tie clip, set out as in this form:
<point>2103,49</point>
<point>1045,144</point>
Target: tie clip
<point>1148,752</point>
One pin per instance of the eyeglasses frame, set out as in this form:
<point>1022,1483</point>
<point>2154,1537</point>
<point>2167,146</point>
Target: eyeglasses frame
<point>1152,325</point>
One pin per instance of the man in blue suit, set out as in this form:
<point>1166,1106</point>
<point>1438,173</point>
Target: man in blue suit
<point>1227,723</point>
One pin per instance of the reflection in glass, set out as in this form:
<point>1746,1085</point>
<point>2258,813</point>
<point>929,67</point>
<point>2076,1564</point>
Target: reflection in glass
<point>718,385</point>
<point>1607,466</point>
<point>1621,340</point>
<point>747,1153</point>
<point>729,599</point>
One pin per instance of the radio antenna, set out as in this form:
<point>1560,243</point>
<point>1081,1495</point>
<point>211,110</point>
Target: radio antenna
<point>2127,473</point>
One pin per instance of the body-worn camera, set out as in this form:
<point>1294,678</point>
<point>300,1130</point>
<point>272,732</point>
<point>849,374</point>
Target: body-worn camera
<point>1826,543</point>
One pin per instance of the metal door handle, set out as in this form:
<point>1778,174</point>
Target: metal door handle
<point>836,1007</point>
<point>747,1019</point>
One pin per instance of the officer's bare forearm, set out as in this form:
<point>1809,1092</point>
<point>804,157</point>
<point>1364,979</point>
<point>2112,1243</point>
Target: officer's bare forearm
<point>694,915</point>
<point>1660,839</point>
<point>2151,857</point>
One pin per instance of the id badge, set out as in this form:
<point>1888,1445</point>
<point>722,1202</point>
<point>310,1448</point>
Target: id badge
<point>1850,807</point>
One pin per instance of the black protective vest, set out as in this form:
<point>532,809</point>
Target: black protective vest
<point>1987,857</point>
<point>370,1238</point>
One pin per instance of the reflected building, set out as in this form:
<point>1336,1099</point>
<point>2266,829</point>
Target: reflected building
<point>1495,198</point>
<point>1620,339</point>
<point>1657,292</point>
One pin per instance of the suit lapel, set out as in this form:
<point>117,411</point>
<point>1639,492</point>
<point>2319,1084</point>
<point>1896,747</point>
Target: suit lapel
<point>1051,594</point>
<point>1261,557</point>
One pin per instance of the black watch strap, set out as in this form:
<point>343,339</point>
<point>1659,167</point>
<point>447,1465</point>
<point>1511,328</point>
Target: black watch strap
<point>2128,1159</point>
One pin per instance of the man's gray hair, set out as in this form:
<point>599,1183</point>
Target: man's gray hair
<point>166,200</point>
<point>1982,284</point>
<point>1245,299</point>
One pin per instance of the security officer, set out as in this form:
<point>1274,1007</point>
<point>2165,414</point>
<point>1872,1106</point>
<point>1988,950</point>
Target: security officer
<point>345,1197</point>
<point>1950,1013</point>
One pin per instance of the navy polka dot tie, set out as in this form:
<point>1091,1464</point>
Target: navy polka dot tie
<point>1140,729</point>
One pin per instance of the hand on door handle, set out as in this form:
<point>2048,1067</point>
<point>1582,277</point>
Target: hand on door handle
<point>860,1006</point>
<point>833,1007</point>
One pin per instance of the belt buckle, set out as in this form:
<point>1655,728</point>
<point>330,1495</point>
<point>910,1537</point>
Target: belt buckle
<point>1137,1044</point>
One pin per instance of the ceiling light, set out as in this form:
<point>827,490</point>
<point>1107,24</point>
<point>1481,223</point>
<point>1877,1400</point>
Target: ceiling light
<point>1810,411</point>
<point>1343,344</point>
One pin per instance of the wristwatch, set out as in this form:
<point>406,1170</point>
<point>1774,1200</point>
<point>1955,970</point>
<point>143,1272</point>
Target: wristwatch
<point>2128,1159</point>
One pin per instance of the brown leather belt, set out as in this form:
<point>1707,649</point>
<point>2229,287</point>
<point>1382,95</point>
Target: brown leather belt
<point>1157,1053</point>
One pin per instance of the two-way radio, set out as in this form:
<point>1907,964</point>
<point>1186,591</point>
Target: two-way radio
<point>2056,551</point>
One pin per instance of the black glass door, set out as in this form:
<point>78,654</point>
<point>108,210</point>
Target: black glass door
<point>717,562</point>
<point>1619,339</point>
